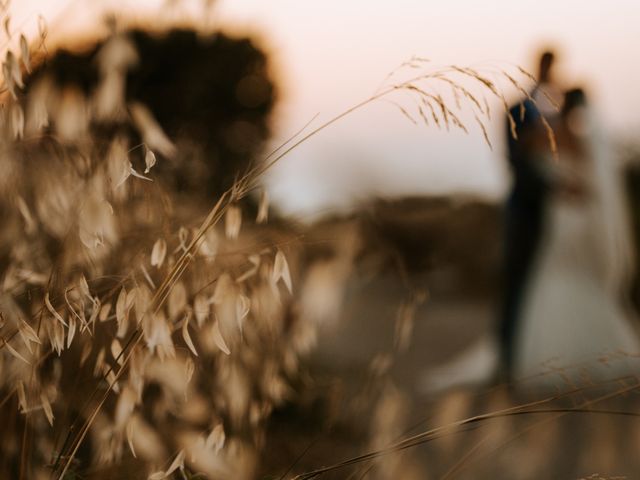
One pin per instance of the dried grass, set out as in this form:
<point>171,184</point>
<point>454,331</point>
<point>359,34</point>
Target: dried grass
<point>164,341</point>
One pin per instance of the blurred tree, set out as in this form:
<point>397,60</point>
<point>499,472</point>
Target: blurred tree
<point>630,153</point>
<point>212,96</point>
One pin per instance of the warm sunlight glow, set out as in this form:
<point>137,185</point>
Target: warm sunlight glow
<point>330,54</point>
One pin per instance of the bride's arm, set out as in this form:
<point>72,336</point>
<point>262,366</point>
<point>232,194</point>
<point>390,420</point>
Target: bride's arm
<point>567,176</point>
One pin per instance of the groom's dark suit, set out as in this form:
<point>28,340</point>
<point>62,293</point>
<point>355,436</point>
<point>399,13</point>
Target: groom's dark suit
<point>524,222</point>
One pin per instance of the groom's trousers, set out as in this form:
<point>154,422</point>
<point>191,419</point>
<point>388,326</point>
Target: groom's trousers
<point>523,231</point>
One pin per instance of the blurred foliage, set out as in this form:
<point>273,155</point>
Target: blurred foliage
<point>629,152</point>
<point>212,95</point>
<point>114,355</point>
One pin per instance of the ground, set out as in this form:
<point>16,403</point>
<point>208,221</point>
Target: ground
<point>343,411</point>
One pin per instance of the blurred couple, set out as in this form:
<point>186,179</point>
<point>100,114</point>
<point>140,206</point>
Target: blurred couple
<point>567,256</point>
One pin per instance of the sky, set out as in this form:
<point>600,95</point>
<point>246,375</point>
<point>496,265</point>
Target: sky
<point>330,54</point>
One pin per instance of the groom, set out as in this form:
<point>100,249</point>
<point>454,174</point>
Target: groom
<point>525,206</point>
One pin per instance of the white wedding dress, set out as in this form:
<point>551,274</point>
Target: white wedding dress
<point>574,330</point>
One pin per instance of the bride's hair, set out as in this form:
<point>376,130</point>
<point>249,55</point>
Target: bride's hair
<point>573,99</point>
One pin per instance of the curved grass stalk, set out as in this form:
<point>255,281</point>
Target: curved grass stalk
<point>241,188</point>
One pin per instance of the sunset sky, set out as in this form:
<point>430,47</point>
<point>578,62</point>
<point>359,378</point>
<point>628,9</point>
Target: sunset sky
<point>331,54</point>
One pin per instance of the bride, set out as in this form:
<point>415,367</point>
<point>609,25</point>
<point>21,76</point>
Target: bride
<point>574,328</point>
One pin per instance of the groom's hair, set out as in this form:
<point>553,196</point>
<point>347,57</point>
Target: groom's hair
<point>546,62</point>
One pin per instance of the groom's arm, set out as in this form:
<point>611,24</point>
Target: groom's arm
<point>531,176</point>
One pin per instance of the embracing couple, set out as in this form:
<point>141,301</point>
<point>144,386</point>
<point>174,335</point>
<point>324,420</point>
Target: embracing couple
<point>567,255</point>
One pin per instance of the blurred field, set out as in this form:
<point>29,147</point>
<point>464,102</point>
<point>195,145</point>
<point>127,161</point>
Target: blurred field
<point>357,374</point>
